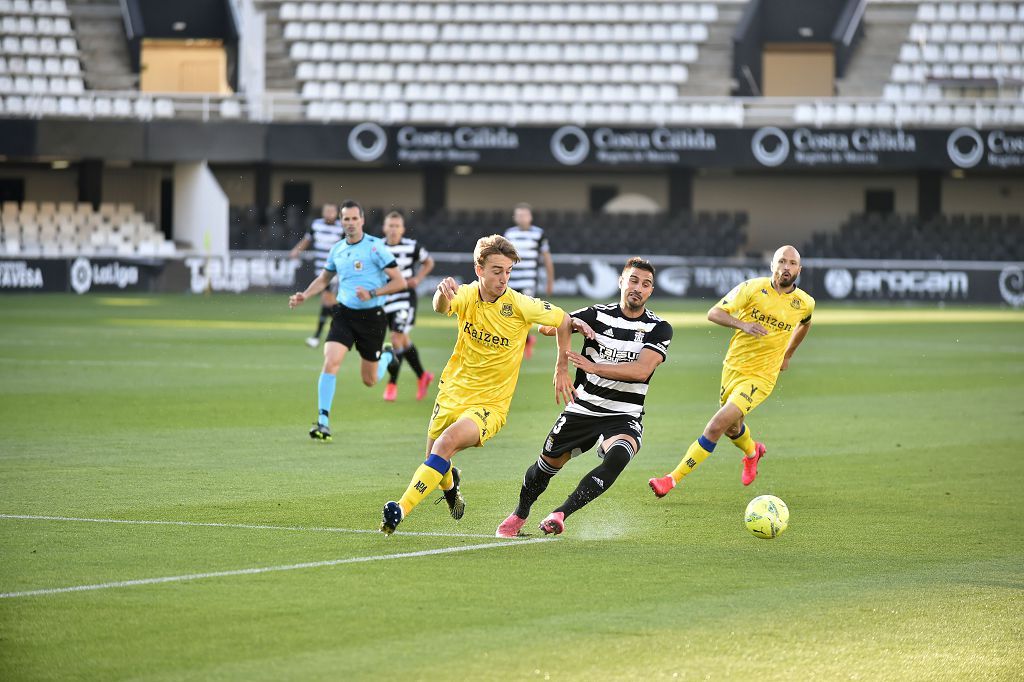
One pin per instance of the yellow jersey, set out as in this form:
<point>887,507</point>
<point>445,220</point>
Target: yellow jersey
<point>484,367</point>
<point>756,300</point>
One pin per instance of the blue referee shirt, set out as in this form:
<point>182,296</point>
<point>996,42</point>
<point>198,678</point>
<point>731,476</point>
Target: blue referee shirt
<point>360,264</point>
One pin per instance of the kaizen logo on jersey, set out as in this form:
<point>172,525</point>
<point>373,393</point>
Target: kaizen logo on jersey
<point>966,148</point>
<point>485,337</point>
<point>769,320</point>
<point>367,142</point>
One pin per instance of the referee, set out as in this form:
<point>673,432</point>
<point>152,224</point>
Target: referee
<point>367,273</point>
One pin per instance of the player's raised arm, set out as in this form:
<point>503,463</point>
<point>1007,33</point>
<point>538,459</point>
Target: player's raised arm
<point>721,316</point>
<point>314,288</point>
<point>564,390</point>
<point>446,289</point>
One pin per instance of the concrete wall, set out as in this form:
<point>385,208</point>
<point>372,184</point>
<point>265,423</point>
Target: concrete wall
<point>139,186</point>
<point>370,188</point>
<point>983,195</point>
<point>44,184</point>
<point>789,209</point>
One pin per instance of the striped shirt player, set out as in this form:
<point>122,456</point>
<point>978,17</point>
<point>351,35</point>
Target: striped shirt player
<point>617,339</point>
<point>623,346</point>
<point>532,246</point>
<point>401,307</point>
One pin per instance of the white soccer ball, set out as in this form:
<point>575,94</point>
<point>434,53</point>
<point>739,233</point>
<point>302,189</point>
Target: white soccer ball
<point>766,516</point>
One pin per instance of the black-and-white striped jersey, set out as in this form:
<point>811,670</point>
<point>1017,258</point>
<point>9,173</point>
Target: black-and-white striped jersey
<point>530,244</point>
<point>322,238</point>
<point>617,339</point>
<point>410,255</point>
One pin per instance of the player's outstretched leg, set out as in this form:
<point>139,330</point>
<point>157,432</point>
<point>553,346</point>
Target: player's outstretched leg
<point>596,482</point>
<point>426,479</point>
<point>535,482</point>
<point>698,451</point>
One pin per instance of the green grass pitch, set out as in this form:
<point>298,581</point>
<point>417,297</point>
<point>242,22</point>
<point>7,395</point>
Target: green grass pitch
<point>895,438</point>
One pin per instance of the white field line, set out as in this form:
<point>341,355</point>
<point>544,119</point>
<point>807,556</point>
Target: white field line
<point>263,569</point>
<point>246,526</point>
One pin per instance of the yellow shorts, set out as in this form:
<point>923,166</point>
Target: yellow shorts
<point>745,391</point>
<point>487,418</point>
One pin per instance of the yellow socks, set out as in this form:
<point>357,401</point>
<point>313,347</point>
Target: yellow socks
<point>744,441</point>
<point>447,481</point>
<point>426,479</point>
<point>699,451</point>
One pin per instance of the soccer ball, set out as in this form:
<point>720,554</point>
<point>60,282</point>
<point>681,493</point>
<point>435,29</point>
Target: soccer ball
<point>766,516</point>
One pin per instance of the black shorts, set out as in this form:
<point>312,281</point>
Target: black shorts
<point>365,327</point>
<point>577,433</point>
<point>402,314</point>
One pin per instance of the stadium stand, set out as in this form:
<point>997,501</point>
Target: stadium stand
<point>965,50</point>
<point>537,62</point>
<point>531,62</point>
<point>70,229</point>
<point>945,237</point>
<point>704,233</point>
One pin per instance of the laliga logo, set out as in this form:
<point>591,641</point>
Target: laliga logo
<point>975,148</point>
<point>81,275</point>
<point>770,146</point>
<point>367,133</point>
<point>838,283</point>
<point>570,146</point>
<point>1011,286</point>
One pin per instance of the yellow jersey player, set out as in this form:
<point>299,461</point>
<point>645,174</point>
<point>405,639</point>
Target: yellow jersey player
<point>477,384</point>
<point>771,317</point>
